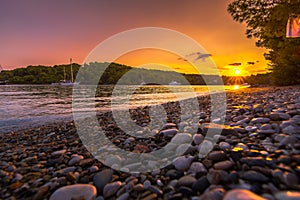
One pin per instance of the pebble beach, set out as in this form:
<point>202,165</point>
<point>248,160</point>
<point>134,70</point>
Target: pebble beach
<point>257,156</point>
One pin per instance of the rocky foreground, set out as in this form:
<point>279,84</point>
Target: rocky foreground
<point>256,157</point>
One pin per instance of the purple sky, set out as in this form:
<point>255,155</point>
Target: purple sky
<point>50,32</point>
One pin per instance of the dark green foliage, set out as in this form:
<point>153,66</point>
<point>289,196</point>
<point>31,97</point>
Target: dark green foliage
<point>105,73</point>
<point>102,73</point>
<point>259,79</point>
<point>266,21</point>
<point>37,74</point>
<point>113,73</point>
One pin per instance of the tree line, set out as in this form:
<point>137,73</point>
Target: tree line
<point>113,73</point>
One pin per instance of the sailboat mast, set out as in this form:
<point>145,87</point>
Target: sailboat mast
<point>71,71</point>
<point>64,74</point>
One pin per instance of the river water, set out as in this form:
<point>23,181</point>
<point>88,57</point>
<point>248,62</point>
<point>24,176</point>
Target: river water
<point>24,106</point>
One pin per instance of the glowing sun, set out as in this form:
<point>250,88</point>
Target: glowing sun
<point>237,72</point>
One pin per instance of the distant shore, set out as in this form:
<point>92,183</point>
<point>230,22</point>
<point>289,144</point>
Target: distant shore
<point>257,153</point>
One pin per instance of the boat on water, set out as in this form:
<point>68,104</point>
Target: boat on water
<point>246,85</point>
<point>174,83</point>
<point>67,82</point>
<point>3,82</point>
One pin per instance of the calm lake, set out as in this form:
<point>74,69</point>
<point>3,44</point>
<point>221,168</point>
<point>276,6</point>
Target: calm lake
<point>24,106</point>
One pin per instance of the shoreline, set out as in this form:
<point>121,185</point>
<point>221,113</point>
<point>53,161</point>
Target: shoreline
<point>259,151</point>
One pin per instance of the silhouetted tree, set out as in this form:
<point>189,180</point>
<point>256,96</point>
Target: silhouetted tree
<point>266,21</point>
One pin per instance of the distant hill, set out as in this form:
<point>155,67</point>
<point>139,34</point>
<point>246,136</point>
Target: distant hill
<point>114,73</point>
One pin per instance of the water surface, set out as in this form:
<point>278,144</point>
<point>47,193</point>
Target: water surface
<point>24,106</point>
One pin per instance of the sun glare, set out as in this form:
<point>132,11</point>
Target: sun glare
<point>237,72</point>
<point>236,87</point>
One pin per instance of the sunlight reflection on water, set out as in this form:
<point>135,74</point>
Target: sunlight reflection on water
<point>26,105</point>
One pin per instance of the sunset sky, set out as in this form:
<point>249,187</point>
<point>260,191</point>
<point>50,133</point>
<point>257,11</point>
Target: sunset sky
<point>50,32</point>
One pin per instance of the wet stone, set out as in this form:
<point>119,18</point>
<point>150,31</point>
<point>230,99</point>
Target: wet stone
<point>214,193</point>
<point>173,183</point>
<point>173,174</point>
<point>111,188</point>
<point>41,193</point>
<point>258,108</point>
<point>114,159</point>
<point>147,184</point>
<point>238,118</point>
<point>242,146</point>
<point>86,162</point>
<point>181,138</point>
<point>288,139</point>
<point>186,181</point>
<point>266,127</point>
<point>75,160</point>
<point>286,159</point>
<point>124,196</point>
<point>254,176</point>
<point>224,146</point>
<point>159,183</point>
<point>102,178</point>
<point>253,161</point>
<point>183,163</point>
<point>204,148</point>
<point>202,115</point>
<point>217,156</point>
<point>169,132</point>
<point>66,170</point>
<point>169,125</point>
<point>201,184</point>
<point>150,197</point>
<point>198,139</point>
<point>223,165</point>
<point>266,132</point>
<point>197,167</point>
<point>251,128</point>
<point>93,169</point>
<point>186,191</point>
<point>239,129</point>
<point>278,116</point>
<point>253,153</point>
<point>261,120</point>
<point>243,121</point>
<point>129,140</point>
<point>289,129</point>
<point>177,196</point>
<point>292,112</point>
<point>184,149</point>
<point>222,129</point>
<point>182,125</point>
<point>242,194</point>
<point>32,159</point>
<point>233,177</point>
<point>17,177</point>
<point>155,190</point>
<point>83,191</point>
<point>290,179</point>
<point>11,168</point>
<point>287,195</point>
<point>58,153</point>
<point>217,176</point>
